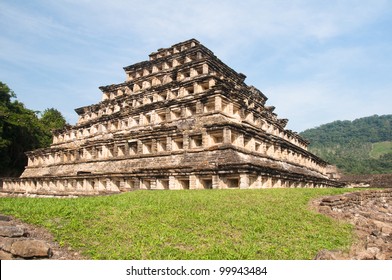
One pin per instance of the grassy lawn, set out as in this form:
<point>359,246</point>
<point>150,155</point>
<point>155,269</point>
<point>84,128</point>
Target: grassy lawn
<point>189,224</point>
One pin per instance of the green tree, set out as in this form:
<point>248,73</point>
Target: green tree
<point>5,99</point>
<point>21,130</point>
<point>51,119</point>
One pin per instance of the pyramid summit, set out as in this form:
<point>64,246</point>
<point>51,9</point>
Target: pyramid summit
<point>181,120</point>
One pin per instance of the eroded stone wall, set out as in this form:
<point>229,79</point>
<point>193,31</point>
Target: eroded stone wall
<point>368,180</point>
<point>370,212</point>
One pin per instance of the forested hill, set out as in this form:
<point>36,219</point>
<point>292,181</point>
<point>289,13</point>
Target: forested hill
<point>362,146</point>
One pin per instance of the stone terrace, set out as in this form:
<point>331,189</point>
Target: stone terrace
<point>181,120</point>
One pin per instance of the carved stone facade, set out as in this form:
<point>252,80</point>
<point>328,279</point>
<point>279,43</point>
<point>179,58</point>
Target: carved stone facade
<point>181,120</point>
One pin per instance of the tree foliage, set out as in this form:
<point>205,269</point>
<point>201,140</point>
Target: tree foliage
<point>349,144</point>
<point>22,130</point>
<point>51,119</point>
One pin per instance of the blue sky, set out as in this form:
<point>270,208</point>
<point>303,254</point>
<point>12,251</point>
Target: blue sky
<point>316,61</point>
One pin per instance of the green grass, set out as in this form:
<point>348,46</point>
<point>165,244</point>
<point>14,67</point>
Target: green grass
<point>381,148</point>
<point>206,224</point>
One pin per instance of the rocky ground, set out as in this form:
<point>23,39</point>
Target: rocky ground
<point>19,240</point>
<point>371,214</point>
<point>369,211</point>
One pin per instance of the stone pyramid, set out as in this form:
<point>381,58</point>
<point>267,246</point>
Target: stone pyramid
<point>182,120</point>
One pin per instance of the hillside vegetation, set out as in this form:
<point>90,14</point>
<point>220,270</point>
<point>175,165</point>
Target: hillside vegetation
<point>362,146</point>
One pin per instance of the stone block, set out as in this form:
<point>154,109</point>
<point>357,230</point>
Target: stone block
<point>365,255</point>
<point>373,251</point>
<point>324,209</point>
<point>11,231</point>
<point>327,255</point>
<point>5,218</point>
<point>381,256</point>
<point>6,243</point>
<point>31,249</point>
<point>5,256</point>
<point>387,230</point>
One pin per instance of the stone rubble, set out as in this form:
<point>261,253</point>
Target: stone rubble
<point>15,243</point>
<point>22,241</point>
<point>371,213</point>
